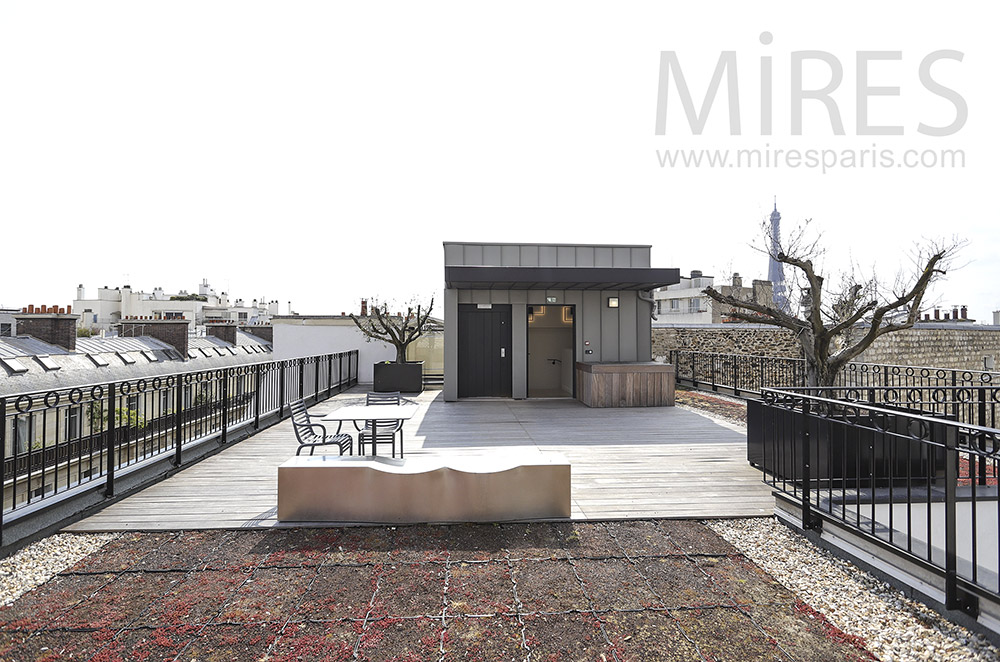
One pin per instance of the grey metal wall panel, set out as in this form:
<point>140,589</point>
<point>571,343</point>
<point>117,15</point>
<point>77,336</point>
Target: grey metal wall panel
<point>499,296</point>
<point>627,344</point>
<point>529,256</point>
<point>450,345</point>
<point>590,320</point>
<point>453,255</point>
<point>548,256</point>
<point>519,351</point>
<point>603,256</point>
<point>491,256</point>
<point>510,256</point>
<point>473,255</point>
<point>518,296</point>
<point>622,257</point>
<point>575,298</point>
<point>481,296</point>
<point>464,296</point>
<point>609,328</point>
<point>643,331</point>
<point>640,258</point>
<point>584,256</point>
<point>566,256</point>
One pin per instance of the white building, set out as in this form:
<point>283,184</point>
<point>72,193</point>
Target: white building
<point>686,303</point>
<point>110,306</point>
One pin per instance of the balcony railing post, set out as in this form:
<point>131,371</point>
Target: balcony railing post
<point>316,380</point>
<point>981,414</point>
<point>3,464</point>
<point>736,377</point>
<point>256,397</point>
<point>694,375</point>
<point>951,482</point>
<point>111,442</point>
<point>178,420</point>
<point>302,376</point>
<point>807,518</point>
<point>329,375</point>
<point>225,405</point>
<point>281,390</point>
<point>711,358</point>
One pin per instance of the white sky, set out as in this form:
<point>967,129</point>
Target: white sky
<point>320,152</point>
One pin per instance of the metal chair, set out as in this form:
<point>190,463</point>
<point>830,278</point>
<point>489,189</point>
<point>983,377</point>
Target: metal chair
<point>310,435</point>
<point>386,429</point>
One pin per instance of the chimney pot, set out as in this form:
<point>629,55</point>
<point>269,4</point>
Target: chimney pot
<point>937,314</point>
<point>965,313</point>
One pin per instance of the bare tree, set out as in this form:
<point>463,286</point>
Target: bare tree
<point>826,323</point>
<point>397,330</point>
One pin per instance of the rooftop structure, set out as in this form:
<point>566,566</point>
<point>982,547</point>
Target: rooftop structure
<point>775,269</point>
<point>686,303</point>
<point>111,306</point>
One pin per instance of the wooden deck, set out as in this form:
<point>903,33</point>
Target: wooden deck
<point>646,462</point>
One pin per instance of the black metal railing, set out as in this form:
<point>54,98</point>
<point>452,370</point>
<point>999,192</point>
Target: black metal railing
<point>55,441</point>
<point>918,475</point>
<point>744,374</point>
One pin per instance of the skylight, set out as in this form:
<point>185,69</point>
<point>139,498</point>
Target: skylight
<point>47,362</point>
<point>98,360</point>
<point>128,360</point>
<point>149,355</point>
<point>14,365</point>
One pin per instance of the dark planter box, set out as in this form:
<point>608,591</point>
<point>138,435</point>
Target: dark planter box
<point>403,377</point>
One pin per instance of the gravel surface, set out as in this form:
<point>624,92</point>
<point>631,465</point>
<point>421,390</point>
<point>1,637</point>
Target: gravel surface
<point>894,627</point>
<point>38,562</point>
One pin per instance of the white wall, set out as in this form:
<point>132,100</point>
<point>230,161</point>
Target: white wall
<point>309,337</point>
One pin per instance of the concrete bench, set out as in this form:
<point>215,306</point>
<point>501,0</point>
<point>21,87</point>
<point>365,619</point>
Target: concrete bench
<point>489,488</point>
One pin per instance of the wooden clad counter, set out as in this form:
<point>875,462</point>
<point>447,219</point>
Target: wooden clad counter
<point>625,384</point>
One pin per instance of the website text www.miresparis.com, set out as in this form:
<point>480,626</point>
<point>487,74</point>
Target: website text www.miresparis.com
<point>823,160</point>
<point>934,110</point>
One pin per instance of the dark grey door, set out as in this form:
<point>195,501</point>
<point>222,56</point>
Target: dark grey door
<point>484,363</point>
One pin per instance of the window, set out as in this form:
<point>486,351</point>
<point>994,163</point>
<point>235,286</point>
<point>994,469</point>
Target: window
<point>128,360</point>
<point>173,316</point>
<point>187,397</point>
<point>165,402</point>
<point>150,356</point>
<point>695,305</point>
<point>98,360</point>
<point>73,418</point>
<point>13,365</point>
<point>133,403</point>
<point>675,304</point>
<point>47,362</point>
<point>5,330</point>
<point>22,432</point>
<point>243,317</point>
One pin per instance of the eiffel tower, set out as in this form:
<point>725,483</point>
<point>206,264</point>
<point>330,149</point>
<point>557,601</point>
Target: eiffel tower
<point>775,269</point>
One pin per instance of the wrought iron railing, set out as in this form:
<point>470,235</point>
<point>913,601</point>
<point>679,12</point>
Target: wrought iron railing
<point>744,374</point>
<point>917,475</point>
<point>59,440</point>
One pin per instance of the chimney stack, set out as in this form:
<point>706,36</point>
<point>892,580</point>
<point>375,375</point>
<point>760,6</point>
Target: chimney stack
<point>262,331</point>
<point>996,318</point>
<point>737,281</point>
<point>937,313</point>
<point>53,328</point>
<point>954,313</point>
<point>965,313</point>
<point>173,332</point>
<point>364,307</point>
<point>225,331</point>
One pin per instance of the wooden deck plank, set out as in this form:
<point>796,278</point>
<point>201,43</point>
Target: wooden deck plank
<point>643,462</point>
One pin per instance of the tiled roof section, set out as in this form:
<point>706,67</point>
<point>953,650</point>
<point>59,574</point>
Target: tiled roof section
<point>100,360</point>
<point>27,346</point>
<point>97,345</point>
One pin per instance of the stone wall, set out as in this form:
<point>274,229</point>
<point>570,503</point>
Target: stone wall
<point>754,339</point>
<point>936,345</point>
